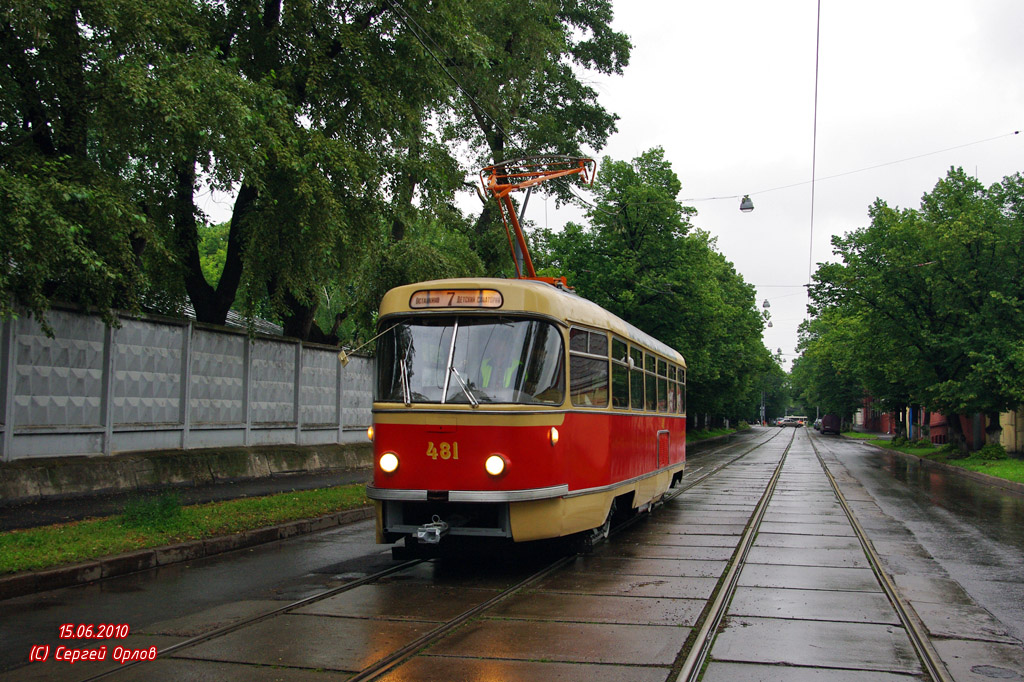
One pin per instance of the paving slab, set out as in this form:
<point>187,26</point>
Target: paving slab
<point>589,608</point>
<point>809,578</point>
<point>447,668</point>
<point>747,672</point>
<point>806,528</point>
<point>664,567</point>
<point>663,551</point>
<point>413,601</point>
<point>808,556</point>
<point>298,641</point>
<point>632,586</point>
<point>795,540</point>
<point>685,539</point>
<point>565,642</point>
<point>851,646</point>
<point>962,621</point>
<point>211,619</point>
<point>930,589</point>
<point>972,661</point>
<point>669,517</point>
<point>848,607</point>
<point>216,671</point>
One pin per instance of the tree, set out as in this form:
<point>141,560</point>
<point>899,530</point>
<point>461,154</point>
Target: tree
<point>941,288</point>
<point>524,91</point>
<point>115,114</point>
<point>825,375</point>
<point>641,260</point>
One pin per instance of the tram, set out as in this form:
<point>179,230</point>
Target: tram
<point>517,409</point>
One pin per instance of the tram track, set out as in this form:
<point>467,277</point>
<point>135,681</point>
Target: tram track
<point>695,654</point>
<point>688,668</point>
<point>915,629</point>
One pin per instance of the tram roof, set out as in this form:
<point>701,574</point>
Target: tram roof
<point>532,296</point>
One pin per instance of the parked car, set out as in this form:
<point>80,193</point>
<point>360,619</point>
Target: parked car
<point>831,423</point>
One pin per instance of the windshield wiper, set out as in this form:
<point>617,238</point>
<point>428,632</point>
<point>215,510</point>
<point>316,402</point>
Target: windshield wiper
<point>464,386</point>
<point>405,382</point>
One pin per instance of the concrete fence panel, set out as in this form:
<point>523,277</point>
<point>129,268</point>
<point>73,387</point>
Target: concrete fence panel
<point>157,384</point>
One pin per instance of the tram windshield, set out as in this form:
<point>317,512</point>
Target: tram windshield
<point>471,360</point>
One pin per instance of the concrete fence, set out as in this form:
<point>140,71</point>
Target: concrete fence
<point>158,384</point>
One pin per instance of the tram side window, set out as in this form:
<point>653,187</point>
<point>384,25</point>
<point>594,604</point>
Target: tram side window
<point>620,375</point>
<point>651,381</point>
<point>588,368</point>
<point>636,379</point>
<point>662,386</point>
<point>681,401</point>
<point>671,388</point>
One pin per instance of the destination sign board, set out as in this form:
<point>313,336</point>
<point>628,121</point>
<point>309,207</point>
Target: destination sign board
<point>456,298</point>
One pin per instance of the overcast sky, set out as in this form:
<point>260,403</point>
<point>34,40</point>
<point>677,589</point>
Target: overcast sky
<point>727,88</point>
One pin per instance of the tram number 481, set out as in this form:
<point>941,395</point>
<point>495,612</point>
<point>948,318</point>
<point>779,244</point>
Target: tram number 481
<point>443,450</point>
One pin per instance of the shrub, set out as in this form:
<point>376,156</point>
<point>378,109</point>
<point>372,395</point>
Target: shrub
<point>992,451</point>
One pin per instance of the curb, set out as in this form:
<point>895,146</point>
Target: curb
<point>30,582</point>
<point>977,476</point>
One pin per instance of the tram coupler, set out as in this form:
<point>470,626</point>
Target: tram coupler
<point>431,533</point>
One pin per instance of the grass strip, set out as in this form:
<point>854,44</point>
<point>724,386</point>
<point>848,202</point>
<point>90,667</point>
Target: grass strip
<point>159,521</point>
<point>997,465</point>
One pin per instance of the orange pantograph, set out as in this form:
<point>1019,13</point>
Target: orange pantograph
<point>503,178</point>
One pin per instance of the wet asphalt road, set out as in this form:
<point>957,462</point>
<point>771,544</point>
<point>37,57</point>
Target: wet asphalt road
<point>973,531</point>
<point>956,555</point>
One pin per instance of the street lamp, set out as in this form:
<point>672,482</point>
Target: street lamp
<point>746,205</point>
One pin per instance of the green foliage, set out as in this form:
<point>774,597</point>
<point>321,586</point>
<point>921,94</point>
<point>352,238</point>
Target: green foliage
<point>990,452</point>
<point>641,260</point>
<point>928,304</point>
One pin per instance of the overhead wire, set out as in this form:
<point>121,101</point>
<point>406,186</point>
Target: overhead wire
<point>814,150</point>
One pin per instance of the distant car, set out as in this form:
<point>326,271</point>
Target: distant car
<point>790,421</point>
<point>831,423</point>
<point>817,424</point>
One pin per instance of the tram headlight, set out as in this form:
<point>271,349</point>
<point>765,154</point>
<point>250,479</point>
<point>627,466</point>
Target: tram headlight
<point>388,462</point>
<point>369,433</point>
<point>553,436</point>
<point>495,465</point>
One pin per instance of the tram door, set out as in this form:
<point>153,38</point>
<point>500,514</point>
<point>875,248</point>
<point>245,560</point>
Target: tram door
<point>663,443</point>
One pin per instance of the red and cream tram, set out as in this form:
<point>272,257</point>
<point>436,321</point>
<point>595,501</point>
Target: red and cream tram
<point>517,409</point>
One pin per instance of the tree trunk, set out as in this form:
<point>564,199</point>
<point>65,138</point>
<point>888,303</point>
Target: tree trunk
<point>956,432</point>
<point>901,422</point>
<point>993,429</point>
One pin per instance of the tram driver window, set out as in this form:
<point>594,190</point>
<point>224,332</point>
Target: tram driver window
<point>588,368</point>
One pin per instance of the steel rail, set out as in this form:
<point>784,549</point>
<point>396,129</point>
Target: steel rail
<point>912,623</point>
<point>221,631</point>
<point>692,665</point>
<point>412,648</point>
